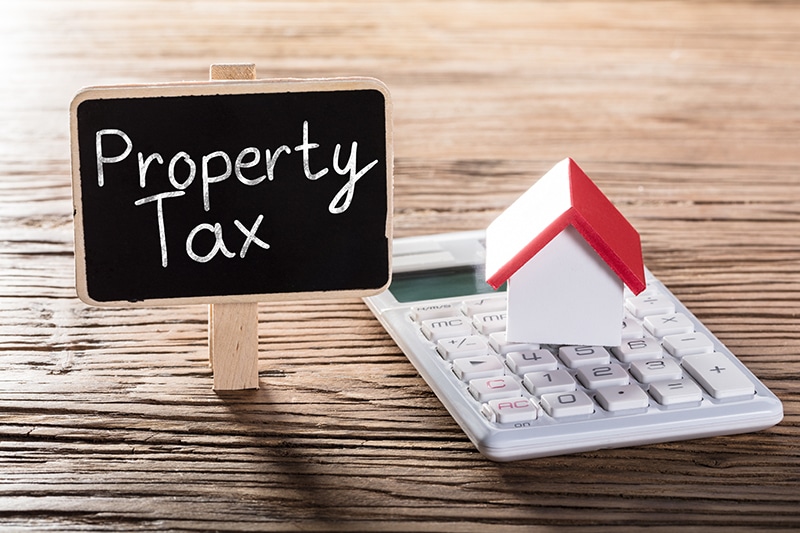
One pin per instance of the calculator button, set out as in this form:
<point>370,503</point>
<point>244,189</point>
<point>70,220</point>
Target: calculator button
<point>676,392</point>
<point>483,305</point>
<point>441,328</point>
<point>562,404</point>
<point>491,322</point>
<point>647,290</point>
<point>637,349</point>
<point>468,346</point>
<point>539,383</point>
<point>514,410</point>
<point>531,361</point>
<point>501,345</point>
<point>649,304</point>
<point>631,329</point>
<point>683,345</point>
<point>576,356</point>
<point>623,398</point>
<point>485,389</point>
<point>669,324</point>
<point>718,376</point>
<point>656,370</point>
<point>426,311</point>
<point>593,377</point>
<point>477,367</point>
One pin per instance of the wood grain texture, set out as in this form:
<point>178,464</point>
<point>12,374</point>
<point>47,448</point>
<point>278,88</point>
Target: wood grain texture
<point>685,114</point>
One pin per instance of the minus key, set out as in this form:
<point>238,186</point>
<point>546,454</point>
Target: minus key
<point>681,345</point>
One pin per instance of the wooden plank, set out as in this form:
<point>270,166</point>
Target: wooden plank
<point>687,120</point>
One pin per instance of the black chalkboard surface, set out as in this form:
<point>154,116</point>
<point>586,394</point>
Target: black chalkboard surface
<point>234,191</point>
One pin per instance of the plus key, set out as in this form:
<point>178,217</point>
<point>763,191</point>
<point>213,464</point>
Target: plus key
<point>718,375</point>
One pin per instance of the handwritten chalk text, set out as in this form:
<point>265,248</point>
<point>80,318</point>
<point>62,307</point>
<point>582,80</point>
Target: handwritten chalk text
<point>252,166</point>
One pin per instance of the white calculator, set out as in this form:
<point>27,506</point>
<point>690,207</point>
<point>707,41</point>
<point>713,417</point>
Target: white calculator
<point>670,379</point>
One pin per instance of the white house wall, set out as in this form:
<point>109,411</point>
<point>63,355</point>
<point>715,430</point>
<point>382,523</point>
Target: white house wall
<point>566,294</point>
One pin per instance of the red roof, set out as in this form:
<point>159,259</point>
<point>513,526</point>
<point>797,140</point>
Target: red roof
<point>565,197</point>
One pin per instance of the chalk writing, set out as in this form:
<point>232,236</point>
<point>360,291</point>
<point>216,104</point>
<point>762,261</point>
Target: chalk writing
<point>216,167</point>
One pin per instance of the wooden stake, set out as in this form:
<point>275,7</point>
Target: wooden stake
<point>233,71</point>
<point>233,328</point>
<point>233,345</point>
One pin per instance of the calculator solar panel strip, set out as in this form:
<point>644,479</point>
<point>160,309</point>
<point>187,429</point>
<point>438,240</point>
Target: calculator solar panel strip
<point>430,260</point>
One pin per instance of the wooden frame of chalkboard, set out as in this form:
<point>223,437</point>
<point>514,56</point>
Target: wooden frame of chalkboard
<point>232,191</point>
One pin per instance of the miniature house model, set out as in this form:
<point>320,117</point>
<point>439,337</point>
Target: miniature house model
<point>565,252</point>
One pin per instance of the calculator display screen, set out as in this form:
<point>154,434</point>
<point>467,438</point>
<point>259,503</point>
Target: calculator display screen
<point>441,283</point>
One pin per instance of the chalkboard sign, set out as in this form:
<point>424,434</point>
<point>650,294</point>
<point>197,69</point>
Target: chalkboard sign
<point>234,191</point>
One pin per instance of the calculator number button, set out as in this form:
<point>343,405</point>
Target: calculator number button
<point>531,361</point>
<point>539,383</point>
<point>594,377</point>
<point>636,349</point>
<point>494,388</point>
<point>477,367</point>
<point>468,346</point>
<point>656,370</point>
<point>564,404</point>
<point>441,328</point>
<point>676,392</point>
<point>577,356</point>
<point>510,411</point>
<point>718,376</point>
<point>631,329</point>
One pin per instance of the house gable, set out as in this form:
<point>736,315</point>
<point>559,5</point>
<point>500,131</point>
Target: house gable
<point>563,197</point>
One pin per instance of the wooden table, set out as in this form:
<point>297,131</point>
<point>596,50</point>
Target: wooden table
<point>686,114</point>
